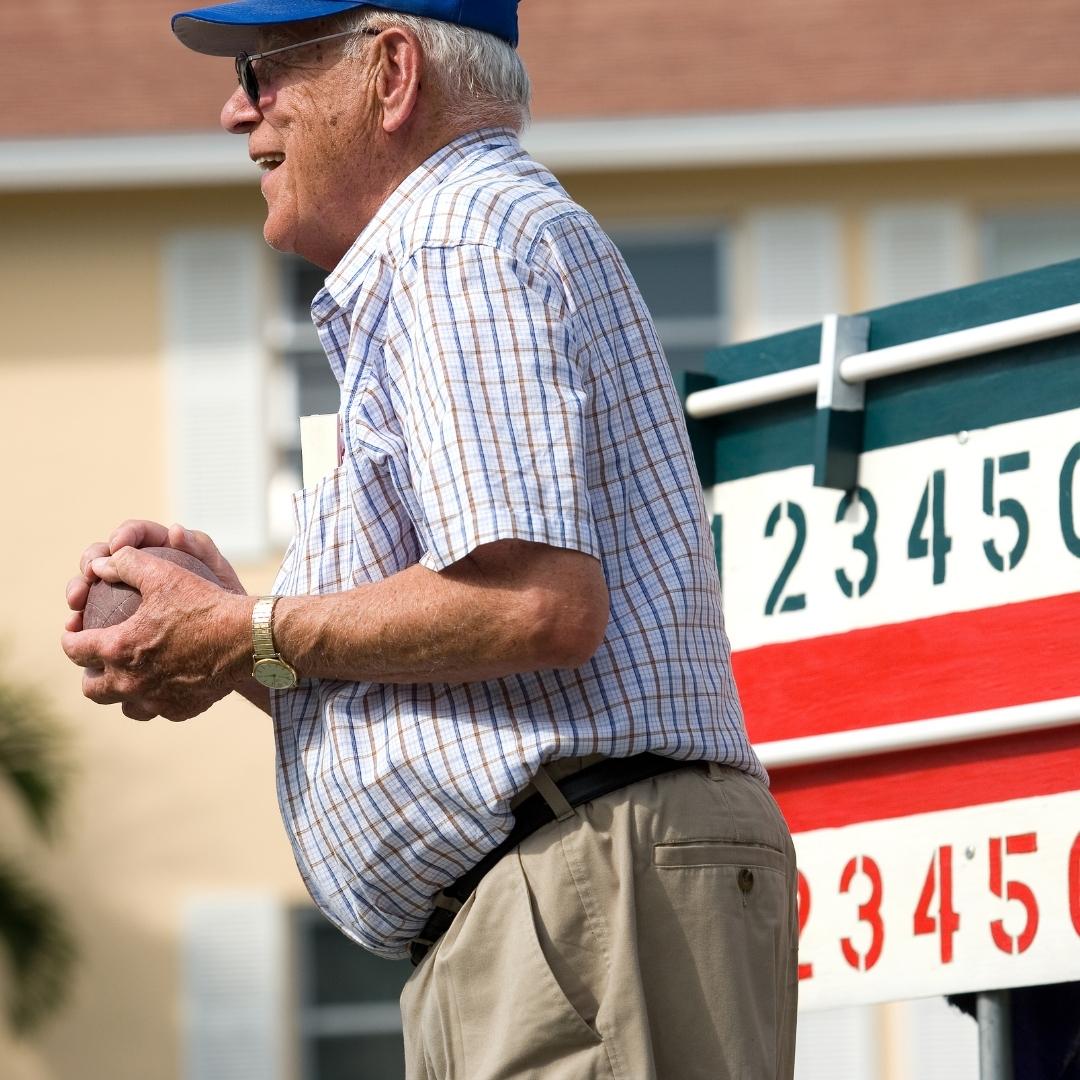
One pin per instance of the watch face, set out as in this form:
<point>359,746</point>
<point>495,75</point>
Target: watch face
<point>275,674</point>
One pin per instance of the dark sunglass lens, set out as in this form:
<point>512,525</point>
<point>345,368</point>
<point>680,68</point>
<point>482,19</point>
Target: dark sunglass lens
<point>245,74</point>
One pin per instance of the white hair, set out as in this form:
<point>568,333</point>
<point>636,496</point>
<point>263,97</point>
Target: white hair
<point>482,76</point>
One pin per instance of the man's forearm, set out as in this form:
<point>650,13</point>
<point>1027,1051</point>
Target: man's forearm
<point>523,607</point>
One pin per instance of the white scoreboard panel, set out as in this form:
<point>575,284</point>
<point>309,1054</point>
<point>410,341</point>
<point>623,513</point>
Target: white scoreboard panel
<point>977,519</point>
<point>968,899</point>
<point>948,582</point>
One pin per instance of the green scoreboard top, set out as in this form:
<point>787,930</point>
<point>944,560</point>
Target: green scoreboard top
<point>900,558</point>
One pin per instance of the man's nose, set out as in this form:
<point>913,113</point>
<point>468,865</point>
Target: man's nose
<point>238,115</point>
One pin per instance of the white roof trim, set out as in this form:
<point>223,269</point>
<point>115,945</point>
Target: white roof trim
<point>1045,125</point>
<point>810,135</point>
<point>126,161</point>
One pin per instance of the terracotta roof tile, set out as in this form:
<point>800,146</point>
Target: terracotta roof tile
<point>100,66</point>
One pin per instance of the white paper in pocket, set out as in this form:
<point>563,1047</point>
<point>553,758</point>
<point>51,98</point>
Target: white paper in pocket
<point>319,446</point>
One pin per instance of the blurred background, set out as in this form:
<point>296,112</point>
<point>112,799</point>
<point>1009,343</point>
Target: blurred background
<point>759,164</point>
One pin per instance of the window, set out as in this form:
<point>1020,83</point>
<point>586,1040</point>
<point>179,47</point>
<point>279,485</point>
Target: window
<point>681,275</point>
<point>348,1019</point>
<point>1025,239</point>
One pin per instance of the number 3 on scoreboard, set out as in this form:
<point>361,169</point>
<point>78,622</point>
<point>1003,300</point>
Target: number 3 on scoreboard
<point>869,913</point>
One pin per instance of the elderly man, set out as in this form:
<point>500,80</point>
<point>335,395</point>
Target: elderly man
<point>509,744</point>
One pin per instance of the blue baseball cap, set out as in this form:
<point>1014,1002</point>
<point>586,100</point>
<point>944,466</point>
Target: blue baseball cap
<point>230,29</point>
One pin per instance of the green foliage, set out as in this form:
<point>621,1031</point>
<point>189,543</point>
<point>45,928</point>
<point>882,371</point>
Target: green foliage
<point>33,934</point>
<point>28,753</point>
<point>39,947</point>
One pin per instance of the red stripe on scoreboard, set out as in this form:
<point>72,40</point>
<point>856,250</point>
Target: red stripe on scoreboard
<point>837,793</point>
<point>958,663</point>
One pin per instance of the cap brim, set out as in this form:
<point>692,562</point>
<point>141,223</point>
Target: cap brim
<point>230,29</point>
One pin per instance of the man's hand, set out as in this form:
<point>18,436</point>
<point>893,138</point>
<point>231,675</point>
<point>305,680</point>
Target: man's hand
<point>139,533</point>
<point>186,647</point>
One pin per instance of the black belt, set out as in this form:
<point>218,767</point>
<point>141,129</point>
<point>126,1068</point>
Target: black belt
<point>534,813</point>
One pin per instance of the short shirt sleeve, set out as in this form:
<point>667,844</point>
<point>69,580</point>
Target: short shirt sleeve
<point>483,368</point>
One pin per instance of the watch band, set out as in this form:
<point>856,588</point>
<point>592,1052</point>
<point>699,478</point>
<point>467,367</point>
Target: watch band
<point>268,667</point>
<point>262,631</point>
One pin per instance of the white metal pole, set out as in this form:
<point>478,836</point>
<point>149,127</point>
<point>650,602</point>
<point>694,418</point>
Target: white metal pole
<point>975,341</point>
<point>750,392</point>
<point>916,734</point>
<point>927,352</point>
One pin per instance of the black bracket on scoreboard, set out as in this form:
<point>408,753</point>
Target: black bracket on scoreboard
<point>838,424</point>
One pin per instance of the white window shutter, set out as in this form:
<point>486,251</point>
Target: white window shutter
<point>914,249</point>
<point>838,1044</point>
<point>797,268</point>
<point>942,1043</point>
<point>234,988</point>
<point>215,381</point>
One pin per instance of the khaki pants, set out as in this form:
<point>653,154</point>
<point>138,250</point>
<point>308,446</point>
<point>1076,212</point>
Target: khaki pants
<point>651,936</point>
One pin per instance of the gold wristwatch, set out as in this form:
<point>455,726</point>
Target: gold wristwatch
<point>269,669</point>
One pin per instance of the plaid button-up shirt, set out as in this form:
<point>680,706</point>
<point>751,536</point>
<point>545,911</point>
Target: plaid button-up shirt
<point>500,379</point>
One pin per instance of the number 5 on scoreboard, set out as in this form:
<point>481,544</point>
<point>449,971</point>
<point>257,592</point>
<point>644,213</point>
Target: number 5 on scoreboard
<point>1022,844</point>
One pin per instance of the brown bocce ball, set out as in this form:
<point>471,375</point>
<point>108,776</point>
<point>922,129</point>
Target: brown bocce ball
<point>110,604</point>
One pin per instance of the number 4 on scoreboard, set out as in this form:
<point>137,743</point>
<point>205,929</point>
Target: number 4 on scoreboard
<point>938,882</point>
<point>932,506</point>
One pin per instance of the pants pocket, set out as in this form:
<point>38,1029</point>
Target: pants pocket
<point>503,1012</point>
<point>735,900</point>
<point>718,853</point>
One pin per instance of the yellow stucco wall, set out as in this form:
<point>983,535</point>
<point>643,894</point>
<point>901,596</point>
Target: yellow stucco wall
<point>985,183</point>
<point>156,811</point>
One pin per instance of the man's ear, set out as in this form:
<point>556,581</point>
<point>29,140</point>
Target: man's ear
<point>399,65</point>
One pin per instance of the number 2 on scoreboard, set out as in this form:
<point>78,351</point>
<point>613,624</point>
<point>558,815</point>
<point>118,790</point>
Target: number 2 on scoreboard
<point>806,971</point>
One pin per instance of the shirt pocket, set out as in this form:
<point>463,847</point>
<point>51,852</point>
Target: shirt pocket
<point>319,559</point>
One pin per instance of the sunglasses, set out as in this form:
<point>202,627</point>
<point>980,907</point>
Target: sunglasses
<point>245,62</point>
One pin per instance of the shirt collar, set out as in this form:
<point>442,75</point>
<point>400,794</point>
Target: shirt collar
<point>346,279</point>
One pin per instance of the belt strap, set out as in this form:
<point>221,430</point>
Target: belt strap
<point>534,813</point>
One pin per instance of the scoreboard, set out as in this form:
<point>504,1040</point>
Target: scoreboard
<point>931,609</point>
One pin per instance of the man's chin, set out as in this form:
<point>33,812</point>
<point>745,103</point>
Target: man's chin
<point>280,239</point>
<point>284,237</point>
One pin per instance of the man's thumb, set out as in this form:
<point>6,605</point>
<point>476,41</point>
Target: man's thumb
<point>128,565</point>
